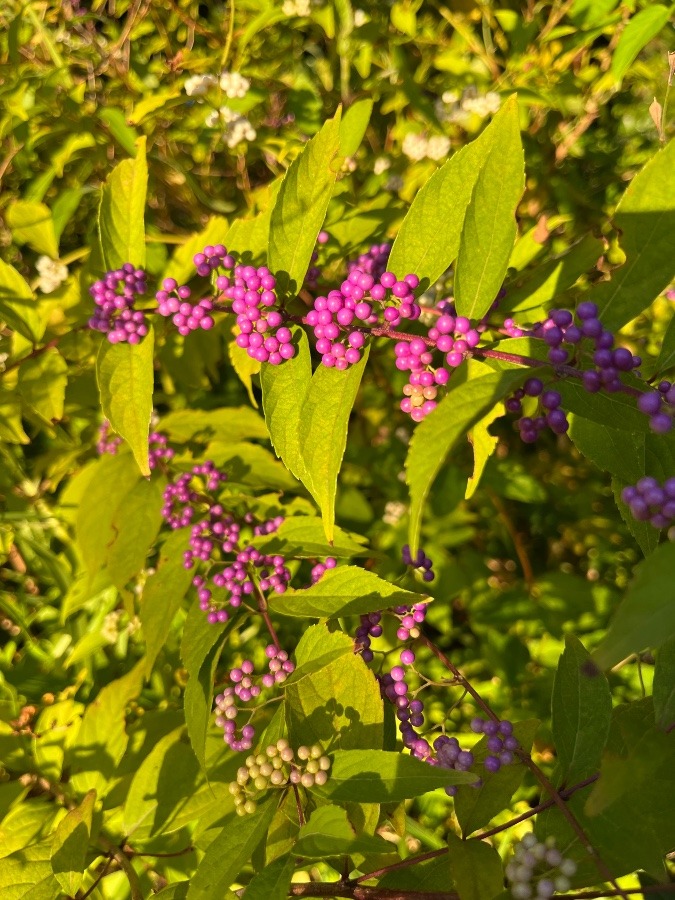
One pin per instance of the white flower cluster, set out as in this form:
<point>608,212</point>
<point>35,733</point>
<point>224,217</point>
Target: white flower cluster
<point>52,274</point>
<point>296,7</point>
<point>455,108</point>
<point>394,512</point>
<point>360,18</point>
<point>236,128</point>
<point>417,146</point>
<point>198,85</point>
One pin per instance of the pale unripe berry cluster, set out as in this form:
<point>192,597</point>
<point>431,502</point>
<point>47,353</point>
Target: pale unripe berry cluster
<point>278,766</point>
<point>533,859</point>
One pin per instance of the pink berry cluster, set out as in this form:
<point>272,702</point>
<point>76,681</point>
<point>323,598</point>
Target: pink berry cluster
<point>114,296</point>
<point>262,331</point>
<point>551,415</point>
<point>230,704</point>
<point>174,300</point>
<point>320,569</point>
<point>181,497</point>
<point>421,561</point>
<point>108,442</point>
<point>342,319</point>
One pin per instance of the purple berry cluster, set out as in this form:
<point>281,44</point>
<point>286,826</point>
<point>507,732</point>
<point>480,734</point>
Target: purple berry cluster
<point>108,442</point>
<point>409,711</point>
<point>450,755</point>
<point>342,319</point>
<point>278,766</point>
<point>551,416</point>
<point>114,296</point>
<point>421,561</point>
<point>659,405</point>
<point>181,498</point>
<point>500,742</point>
<point>538,869</point>
<point>230,703</point>
<point>374,262</point>
<point>651,502</point>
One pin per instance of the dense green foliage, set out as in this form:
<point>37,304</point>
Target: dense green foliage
<point>517,151</point>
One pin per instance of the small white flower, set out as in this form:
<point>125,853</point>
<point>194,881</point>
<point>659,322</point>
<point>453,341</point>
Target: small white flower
<point>360,18</point>
<point>296,7</point>
<point>381,165</point>
<point>110,630</point>
<point>52,274</point>
<point>234,84</point>
<point>450,97</point>
<point>415,146</point>
<point>197,85</point>
<point>349,165</point>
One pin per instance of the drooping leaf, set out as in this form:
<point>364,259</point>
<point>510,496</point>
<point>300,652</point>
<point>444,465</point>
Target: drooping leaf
<point>125,377</point>
<point>664,685</point>
<point>135,526</point>
<point>353,126</point>
<point>646,616</point>
<point>301,205</point>
<point>42,384</point>
<point>476,869</point>
<point>163,594</point>
<point>581,710</point>
<point>489,230</point>
<point>645,218</point>
<point>322,433</point>
<point>345,590</point>
<point>70,844</point>
<point>381,776</point>
<point>639,31</point>
<point>227,854</point>
<point>330,833</point>
<point>463,406</point>
<point>302,536</point>
<point>121,218</point>
<point>611,449</point>
<point>18,306</point>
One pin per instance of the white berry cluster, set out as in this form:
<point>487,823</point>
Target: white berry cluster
<point>232,83</point>
<point>453,107</point>
<point>296,7</point>
<point>52,274</point>
<point>533,859</point>
<point>417,146</point>
<point>277,766</point>
<point>236,128</point>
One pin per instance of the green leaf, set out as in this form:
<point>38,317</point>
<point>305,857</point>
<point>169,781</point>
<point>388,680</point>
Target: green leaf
<point>322,433</point>
<point>251,464</point>
<point>604,409</point>
<point>666,358</point>
<point>642,27</point>
<point>200,651</point>
<point>381,776</point>
<point>581,709</point>
<point>476,869</point>
<point>102,738</point>
<point>32,224</point>
<point>428,240</point>
<point>71,843</point>
<point>338,706</point>
<point>273,882</point>
<point>489,230</point>
<point>345,590</point>
<point>174,891</point>
<point>42,384</point>
<point>125,377</point>
<point>11,428</point>
<point>664,686</point>
<point>27,875</point>
<point>121,222</point>
<point>284,390</point>
<point>330,833</point>
<point>301,205</point>
<point>484,445</point>
<point>135,526</point>
<point>303,537</point>
<point>163,784</point>
<point>236,423</point>
<point>475,807</point>
<point>463,406</point>
<point>18,306</point>
<point>611,449</point>
<point>646,616</point>
<point>163,594</point>
<point>228,853</point>
<point>645,218</point>
<point>245,367</point>
<point>353,126</point>
<point>644,533</point>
